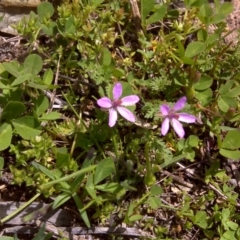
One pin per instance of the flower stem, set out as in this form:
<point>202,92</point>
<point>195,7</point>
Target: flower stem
<point>114,140</point>
<point>149,177</point>
<point>17,211</point>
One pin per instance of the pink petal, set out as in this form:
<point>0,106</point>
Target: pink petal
<point>126,114</point>
<point>164,109</point>
<point>104,102</point>
<point>129,100</point>
<point>112,117</point>
<point>165,126</point>
<point>187,118</point>
<point>178,128</point>
<point>117,91</point>
<point>180,104</point>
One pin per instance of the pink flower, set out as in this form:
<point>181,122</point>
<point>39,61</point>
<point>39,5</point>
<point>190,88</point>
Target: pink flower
<point>171,116</point>
<point>117,105</point>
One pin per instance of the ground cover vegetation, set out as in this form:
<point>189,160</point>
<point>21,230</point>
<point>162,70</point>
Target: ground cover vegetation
<point>130,116</point>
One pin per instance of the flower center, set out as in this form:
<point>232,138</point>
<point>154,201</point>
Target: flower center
<point>117,103</point>
<point>174,115</point>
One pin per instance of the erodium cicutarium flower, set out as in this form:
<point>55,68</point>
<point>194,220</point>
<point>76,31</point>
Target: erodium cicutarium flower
<point>117,105</point>
<point>173,117</point>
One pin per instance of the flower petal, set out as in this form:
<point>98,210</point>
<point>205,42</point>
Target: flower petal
<point>104,102</point>
<point>126,114</point>
<point>165,126</point>
<point>117,91</point>
<point>164,109</point>
<point>187,118</point>
<point>112,117</point>
<point>180,104</point>
<point>178,128</point>
<point>129,100</point>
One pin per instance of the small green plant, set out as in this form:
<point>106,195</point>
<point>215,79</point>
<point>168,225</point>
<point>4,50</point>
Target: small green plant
<point>94,60</point>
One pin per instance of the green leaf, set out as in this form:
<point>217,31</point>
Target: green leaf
<point>1,163</point>
<point>33,64</point>
<point>181,49</point>
<point>13,110</point>
<point>70,25</point>
<point>222,104</point>
<point>195,3</point>
<point>192,141</point>
<point>104,169</point>
<point>235,118</point>
<point>232,225</point>
<point>194,48</point>
<point>118,73</point>
<point>225,214</point>
<point>73,175</point>
<point>62,157</point>
<point>61,199</point>
<point>154,202</point>
<point>126,89</point>
<point>41,104</point>
<point>224,89</point>
<point>205,11</point>
<point>5,136</point>
<point>231,141</point>
<point>228,235</point>
<point>21,79</point>
<point>174,160</point>
<point>50,116</point>
<point>43,169</point>
<point>204,96</point>
<point>110,187</point>
<point>106,57</point>
<point>187,60</point>
<point>12,68</point>
<point>95,3</point>
<point>38,86</point>
<point>233,92</point>
<point>217,18</point>
<point>48,77</point>
<point>226,8</point>
<point>225,102</point>
<point>87,162</point>
<point>158,15</point>
<point>146,8</point>
<point>202,35</point>
<point>156,190</point>
<point>204,82</point>
<point>135,218</point>
<point>231,154</point>
<point>45,10</point>
<point>200,219</point>
<point>90,187</point>
<point>26,127</point>
<point>80,207</point>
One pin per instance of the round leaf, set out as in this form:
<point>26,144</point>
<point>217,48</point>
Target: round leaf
<point>45,10</point>
<point>33,64</point>
<point>204,83</point>
<point>5,136</point>
<point>194,48</point>
<point>13,110</point>
<point>26,127</point>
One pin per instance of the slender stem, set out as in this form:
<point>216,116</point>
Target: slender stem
<point>149,178</point>
<point>75,136</point>
<point>117,156</point>
<point>17,211</point>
